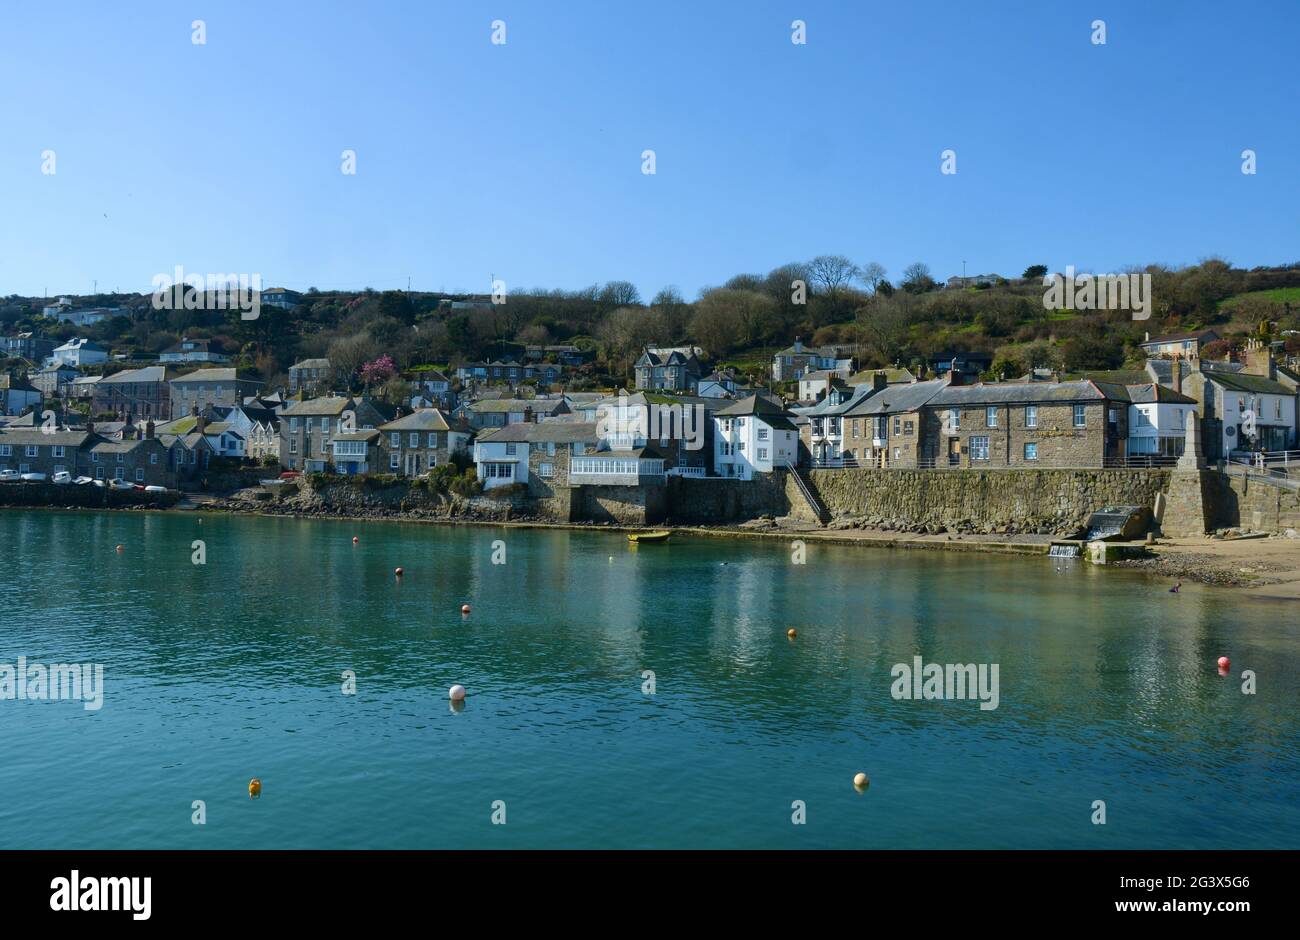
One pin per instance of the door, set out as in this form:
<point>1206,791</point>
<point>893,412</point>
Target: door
<point>954,451</point>
<point>412,465</point>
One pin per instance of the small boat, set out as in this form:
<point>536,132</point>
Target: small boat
<point>648,536</point>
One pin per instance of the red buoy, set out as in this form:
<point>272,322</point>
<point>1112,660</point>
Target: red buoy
<point>1224,662</point>
<point>464,608</point>
<point>355,540</point>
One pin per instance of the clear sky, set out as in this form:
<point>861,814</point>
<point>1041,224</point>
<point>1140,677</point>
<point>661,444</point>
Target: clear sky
<point>523,160</point>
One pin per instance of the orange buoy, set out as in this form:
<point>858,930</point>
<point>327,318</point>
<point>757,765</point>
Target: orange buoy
<point>254,788</point>
<point>464,608</point>
<point>792,633</point>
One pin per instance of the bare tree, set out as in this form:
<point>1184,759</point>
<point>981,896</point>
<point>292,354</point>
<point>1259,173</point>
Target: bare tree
<point>873,274</point>
<point>832,273</point>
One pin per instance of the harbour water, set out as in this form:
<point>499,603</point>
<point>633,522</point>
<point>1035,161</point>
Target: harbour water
<point>219,672</point>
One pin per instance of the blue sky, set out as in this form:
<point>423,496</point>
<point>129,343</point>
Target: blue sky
<point>523,161</point>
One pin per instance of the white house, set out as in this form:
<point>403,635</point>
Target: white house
<point>16,394</point>
<point>78,352</point>
<point>1157,421</point>
<point>500,462</point>
<point>1253,413</point>
<point>753,436</point>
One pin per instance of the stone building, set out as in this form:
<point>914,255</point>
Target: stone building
<point>202,388</point>
<point>135,393</point>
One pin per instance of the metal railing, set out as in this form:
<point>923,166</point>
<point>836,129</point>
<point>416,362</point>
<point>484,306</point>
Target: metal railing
<point>818,509</point>
<point>681,471</point>
<point>1139,462</point>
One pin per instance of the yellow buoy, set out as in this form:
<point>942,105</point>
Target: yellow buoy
<point>254,788</point>
<point>792,633</point>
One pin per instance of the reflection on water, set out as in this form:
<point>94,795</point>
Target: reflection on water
<point>218,673</point>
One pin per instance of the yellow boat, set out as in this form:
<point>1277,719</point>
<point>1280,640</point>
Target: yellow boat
<point>648,536</point>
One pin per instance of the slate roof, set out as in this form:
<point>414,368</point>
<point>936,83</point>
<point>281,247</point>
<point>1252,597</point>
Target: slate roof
<point>1151,392</point>
<point>425,419</point>
<point>770,413</point>
<point>547,432</point>
<point>545,406</point>
<point>330,406</point>
<point>210,375</point>
<point>1028,393</point>
<point>146,374</point>
<point>1252,384</point>
<point>898,398</point>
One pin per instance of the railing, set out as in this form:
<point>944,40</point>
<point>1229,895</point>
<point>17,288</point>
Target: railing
<point>1139,462</point>
<point>818,509</point>
<point>680,471</point>
<point>1277,471</point>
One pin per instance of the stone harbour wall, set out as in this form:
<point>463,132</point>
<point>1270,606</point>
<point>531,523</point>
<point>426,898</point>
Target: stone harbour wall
<point>1047,501</point>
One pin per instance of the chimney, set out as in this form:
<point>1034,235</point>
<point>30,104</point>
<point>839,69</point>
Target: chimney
<point>1056,376</point>
<point>148,430</point>
<point>1146,336</point>
<point>879,380</point>
<point>1259,359</point>
<point>798,345</point>
<point>200,423</point>
<point>830,378</point>
<point>1176,375</point>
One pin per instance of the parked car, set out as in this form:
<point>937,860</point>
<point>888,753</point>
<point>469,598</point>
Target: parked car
<point>82,481</point>
<point>63,476</point>
<point>290,474</point>
<point>121,485</point>
<point>34,477</point>
<point>8,476</point>
<point>155,489</point>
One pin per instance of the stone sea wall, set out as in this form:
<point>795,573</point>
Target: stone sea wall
<point>1260,507</point>
<point>72,496</point>
<point>1047,501</point>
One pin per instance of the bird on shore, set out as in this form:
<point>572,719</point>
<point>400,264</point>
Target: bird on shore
<point>1174,589</point>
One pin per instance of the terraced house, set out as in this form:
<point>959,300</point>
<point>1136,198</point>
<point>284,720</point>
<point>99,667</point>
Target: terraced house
<point>205,387</point>
<point>33,450</point>
<point>135,393</point>
<point>309,428</point>
<point>420,441</point>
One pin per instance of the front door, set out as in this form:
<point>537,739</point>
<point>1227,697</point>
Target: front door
<point>412,465</point>
<point>954,451</point>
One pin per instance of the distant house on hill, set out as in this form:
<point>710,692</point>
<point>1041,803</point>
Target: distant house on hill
<point>192,350</point>
<point>672,369</point>
<point>794,362</point>
<point>1178,345</point>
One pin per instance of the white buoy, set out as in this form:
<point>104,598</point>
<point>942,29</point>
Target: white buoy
<point>860,781</point>
<point>457,693</point>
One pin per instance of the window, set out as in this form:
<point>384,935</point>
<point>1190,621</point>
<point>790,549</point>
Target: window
<point>58,452</point>
<point>510,450</point>
<point>121,458</point>
<point>395,438</point>
<point>545,470</point>
<point>119,473</point>
<point>94,457</point>
<point>324,422</point>
<point>309,425</point>
<point>990,417</point>
<point>153,458</point>
<point>1031,451</point>
<point>954,419</point>
<point>898,425</point>
<point>293,445</point>
<point>139,474</point>
<point>979,448</point>
<point>415,438</point>
<point>433,438</point>
<point>1080,416</point>
<point>293,425</point>
<point>1031,416</point>
<point>762,433</point>
<point>394,461</point>
<point>32,450</point>
<point>762,453</point>
<point>99,473</point>
<point>6,450</point>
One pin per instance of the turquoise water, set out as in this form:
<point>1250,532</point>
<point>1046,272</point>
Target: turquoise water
<point>218,673</point>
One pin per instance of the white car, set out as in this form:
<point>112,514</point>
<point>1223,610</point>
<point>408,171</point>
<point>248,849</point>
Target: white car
<point>8,476</point>
<point>62,476</point>
<point>121,484</point>
<point>34,477</point>
<point>82,481</point>
<point>155,489</point>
